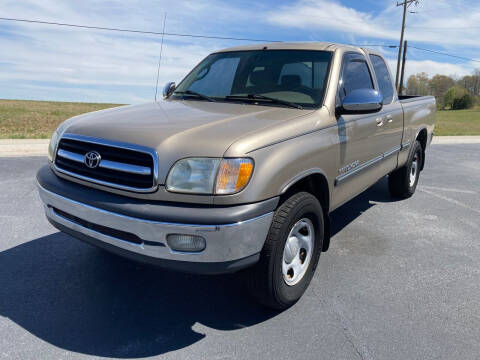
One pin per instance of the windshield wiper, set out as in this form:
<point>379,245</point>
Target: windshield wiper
<point>263,97</point>
<point>194,93</point>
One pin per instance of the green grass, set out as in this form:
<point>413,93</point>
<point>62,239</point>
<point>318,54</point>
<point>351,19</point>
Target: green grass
<point>458,122</point>
<point>25,119</point>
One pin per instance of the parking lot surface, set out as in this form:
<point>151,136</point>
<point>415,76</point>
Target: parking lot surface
<point>401,281</point>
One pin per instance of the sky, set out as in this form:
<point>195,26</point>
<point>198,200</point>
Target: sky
<point>43,62</point>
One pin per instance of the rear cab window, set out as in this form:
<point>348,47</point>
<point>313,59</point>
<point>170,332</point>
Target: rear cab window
<point>383,78</point>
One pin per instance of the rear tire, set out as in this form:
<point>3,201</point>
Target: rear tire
<point>403,182</point>
<point>290,254</point>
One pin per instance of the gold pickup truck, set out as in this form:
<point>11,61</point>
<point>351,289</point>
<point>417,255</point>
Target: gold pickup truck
<point>239,166</point>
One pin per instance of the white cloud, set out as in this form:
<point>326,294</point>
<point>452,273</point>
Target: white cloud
<point>61,63</point>
<point>120,67</point>
<point>330,15</point>
<point>123,65</point>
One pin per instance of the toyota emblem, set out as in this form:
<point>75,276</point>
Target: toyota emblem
<point>92,159</point>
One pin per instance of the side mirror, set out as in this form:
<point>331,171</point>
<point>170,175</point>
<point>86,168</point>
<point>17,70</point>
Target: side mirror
<point>168,89</point>
<point>362,101</point>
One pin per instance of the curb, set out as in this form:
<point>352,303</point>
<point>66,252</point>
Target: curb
<point>24,147</point>
<point>39,147</point>
<point>441,140</point>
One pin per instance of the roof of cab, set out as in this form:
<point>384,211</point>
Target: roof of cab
<point>291,46</point>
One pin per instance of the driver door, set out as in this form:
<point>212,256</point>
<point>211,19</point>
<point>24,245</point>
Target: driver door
<point>360,142</point>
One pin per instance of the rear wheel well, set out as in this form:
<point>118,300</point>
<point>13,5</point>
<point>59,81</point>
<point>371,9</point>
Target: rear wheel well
<point>422,138</point>
<point>317,185</point>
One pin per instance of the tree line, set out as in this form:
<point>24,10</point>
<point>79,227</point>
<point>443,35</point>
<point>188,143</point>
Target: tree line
<point>450,92</point>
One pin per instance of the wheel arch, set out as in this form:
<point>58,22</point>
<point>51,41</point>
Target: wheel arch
<point>315,182</point>
<point>422,138</point>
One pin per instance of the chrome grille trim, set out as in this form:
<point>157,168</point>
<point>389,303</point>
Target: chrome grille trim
<point>132,169</point>
<point>111,165</point>
<point>70,155</point>
<point>107,164</point>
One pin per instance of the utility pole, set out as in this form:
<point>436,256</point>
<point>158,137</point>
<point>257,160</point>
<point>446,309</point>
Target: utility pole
<point>405,4</point>
<point>400,87</point>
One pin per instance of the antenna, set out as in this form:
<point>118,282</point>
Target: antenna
<point>160,55</point>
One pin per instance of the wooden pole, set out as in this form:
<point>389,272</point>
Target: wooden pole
<point>401,41</point>
<point>405,44</point>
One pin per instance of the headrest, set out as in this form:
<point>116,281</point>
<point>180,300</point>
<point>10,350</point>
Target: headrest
<point>291,80</point>
<point>260,77</point>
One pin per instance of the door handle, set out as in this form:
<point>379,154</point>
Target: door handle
<point>379,121</point>
<point>389,118</point>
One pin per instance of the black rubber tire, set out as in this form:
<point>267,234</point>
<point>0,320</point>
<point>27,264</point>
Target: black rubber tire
<point>265,280</point>
<point>399,180</point>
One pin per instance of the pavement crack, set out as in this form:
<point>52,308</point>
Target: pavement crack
<point>352,338</point>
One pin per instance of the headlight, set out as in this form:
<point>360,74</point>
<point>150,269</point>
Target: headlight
<point>209,175</point>
<point>193,175</point>
<point>55,138</point>
<point>53,145</point>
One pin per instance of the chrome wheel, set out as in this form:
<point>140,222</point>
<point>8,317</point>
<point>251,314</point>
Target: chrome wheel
<point>298,251</point>
<point>413,170</point>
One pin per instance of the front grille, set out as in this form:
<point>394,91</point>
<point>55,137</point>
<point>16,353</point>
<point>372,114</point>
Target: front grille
<point>119,234</point>
<point>119,167</point>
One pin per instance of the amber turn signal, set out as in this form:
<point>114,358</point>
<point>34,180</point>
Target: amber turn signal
<point>233,175</point>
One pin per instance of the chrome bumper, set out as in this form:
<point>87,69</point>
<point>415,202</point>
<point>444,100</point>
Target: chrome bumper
<point>225,243</point>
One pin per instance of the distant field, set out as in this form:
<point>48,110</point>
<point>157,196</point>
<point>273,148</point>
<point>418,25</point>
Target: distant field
<point>24,119</point>
<point>458,122</point>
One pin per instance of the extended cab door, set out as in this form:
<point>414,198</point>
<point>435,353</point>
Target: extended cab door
<point>362,141</point>
<point>391,128</point>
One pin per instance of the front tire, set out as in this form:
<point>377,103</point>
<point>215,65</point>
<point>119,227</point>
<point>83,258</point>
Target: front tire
<point>403,182</point>
<point>290,254</point>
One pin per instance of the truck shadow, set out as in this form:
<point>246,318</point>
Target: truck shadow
<point>348,212</point>
<point>81,299</point>
<point>84,300</point>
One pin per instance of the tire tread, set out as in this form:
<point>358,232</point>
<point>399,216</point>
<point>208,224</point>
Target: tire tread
<point>257,277</point>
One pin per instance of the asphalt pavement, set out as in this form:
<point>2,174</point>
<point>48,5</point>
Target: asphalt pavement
<point>401,281</point>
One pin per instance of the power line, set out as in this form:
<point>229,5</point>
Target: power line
<point>429,10</point>
<point>420,10</point>
<point>445,54</point>
<point>134,31</point>
<point>204,36</point>
<point>158,32</point>
<point>443,27</point>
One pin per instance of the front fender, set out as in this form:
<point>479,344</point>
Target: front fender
<point>279,166</point>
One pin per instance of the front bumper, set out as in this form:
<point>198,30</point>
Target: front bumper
<point>229,247</point>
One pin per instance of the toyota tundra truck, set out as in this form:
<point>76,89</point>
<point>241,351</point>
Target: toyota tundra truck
<point>239,165</point>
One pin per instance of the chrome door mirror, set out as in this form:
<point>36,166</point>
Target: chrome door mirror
<point>168,89</point>
<point>362,101</point>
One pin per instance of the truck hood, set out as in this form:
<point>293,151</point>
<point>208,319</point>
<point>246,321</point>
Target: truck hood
<point>178,129</point>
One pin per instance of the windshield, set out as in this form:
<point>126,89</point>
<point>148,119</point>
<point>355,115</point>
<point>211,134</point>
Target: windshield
<point>295,76</point>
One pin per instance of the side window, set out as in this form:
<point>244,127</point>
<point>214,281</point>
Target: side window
<point>217,79</point>
<point>355,75</point>
<point>383,78</point>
